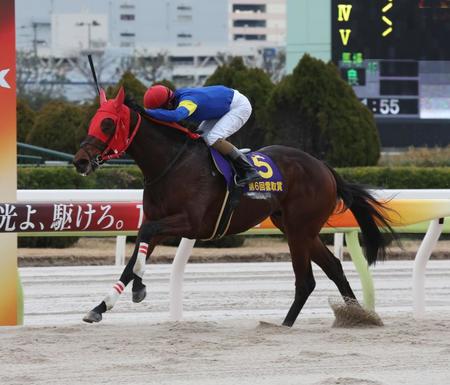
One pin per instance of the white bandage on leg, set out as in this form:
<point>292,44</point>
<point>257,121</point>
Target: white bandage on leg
<point>139,265</point>
<point>112,297</point>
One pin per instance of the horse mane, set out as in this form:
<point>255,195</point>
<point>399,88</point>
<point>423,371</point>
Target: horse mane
<point>131,102</point>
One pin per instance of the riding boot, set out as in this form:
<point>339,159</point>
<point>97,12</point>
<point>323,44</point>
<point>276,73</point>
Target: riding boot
<point>245,172</point>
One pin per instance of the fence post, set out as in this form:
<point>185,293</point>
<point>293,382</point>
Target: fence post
<point>182,255</point>
<point>121,242</point>
<point>339,245</point>
<point>362,268</point>
<point>420,265</point>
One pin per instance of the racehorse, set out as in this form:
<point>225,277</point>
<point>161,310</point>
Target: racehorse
<point>183,196</point>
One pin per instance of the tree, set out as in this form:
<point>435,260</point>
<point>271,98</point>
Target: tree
<point>80,64</point>
<point>57,127</point>
<point>149,66</point>
<point>275,65</point>
<point>39,80</point>
<point>166,83</point>
<point>315,110</point>
<point>132,85</point>
<point>257,86</point>
<point>25,119</point>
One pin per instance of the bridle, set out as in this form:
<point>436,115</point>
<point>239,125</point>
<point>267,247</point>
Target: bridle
<point>107,152</point>
<point>96,161</point>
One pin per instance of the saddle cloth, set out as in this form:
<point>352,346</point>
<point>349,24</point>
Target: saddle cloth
<point>272,183</point>
<point>272,179</point>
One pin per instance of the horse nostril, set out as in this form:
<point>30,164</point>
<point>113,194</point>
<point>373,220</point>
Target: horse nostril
<point>81,165</point>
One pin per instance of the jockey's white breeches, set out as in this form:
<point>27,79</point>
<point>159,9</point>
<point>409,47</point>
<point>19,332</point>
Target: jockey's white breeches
<point>227,125</point>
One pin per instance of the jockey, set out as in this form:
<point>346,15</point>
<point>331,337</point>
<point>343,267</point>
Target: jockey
<point>222,111</point>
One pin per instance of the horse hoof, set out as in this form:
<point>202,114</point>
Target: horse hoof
<point>92,316</point>
<point>139,296</point>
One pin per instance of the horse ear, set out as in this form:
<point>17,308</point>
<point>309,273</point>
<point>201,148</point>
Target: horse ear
<point>102,96</point>
<point>120,97</point>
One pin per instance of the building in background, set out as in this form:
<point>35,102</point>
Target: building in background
<point>261,22</point>
<point>73,33</point>
<point>180,40</point>
<point>308,30</point>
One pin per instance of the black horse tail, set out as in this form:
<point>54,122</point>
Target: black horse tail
<point>368,213</point>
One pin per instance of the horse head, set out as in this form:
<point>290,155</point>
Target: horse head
<point>108,135</point>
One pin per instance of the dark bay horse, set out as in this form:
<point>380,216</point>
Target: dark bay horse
<point>183,196</point>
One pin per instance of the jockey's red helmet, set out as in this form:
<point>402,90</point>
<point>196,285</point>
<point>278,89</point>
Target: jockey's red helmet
<point>157,96</point>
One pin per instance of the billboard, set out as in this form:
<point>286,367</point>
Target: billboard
<point>10,298</point>
<point>395,55</point>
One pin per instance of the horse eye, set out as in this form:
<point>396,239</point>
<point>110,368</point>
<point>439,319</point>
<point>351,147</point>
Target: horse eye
<point>108,127</point>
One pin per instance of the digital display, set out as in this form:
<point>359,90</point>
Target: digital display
<point>395,54</point>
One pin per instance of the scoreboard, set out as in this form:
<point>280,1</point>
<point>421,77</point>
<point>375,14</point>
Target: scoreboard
<point>396,55</point>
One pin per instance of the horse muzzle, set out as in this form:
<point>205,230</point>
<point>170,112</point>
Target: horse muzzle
<point>83,166</point>
<point>87,164</point>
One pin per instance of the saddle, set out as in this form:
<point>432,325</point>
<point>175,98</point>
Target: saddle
<point>272,183</point>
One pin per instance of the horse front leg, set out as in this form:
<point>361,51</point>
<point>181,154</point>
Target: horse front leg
<point>133,271</point>
<point>143,250</point>
<point>149,234</point>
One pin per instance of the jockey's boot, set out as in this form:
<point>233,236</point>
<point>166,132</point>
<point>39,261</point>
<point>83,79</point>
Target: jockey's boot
<point>245,172</point>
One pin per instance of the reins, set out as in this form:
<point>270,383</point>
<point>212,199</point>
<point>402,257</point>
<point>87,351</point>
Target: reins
<point>177,126</point>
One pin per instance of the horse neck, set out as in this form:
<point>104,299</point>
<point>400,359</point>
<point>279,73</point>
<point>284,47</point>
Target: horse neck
<point>152,148</point>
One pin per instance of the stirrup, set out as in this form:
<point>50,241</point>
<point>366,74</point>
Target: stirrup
<point>247,179</point>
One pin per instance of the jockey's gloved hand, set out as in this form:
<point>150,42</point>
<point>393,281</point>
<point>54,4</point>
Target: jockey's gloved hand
<point>135,106</point>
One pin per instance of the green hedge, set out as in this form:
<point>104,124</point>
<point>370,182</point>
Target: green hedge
<point>130,177</point>
<point>399,177</point>
<point>111,177</point>
<point>46,242</point>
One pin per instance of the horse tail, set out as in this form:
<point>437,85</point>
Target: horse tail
<point>369,214</point>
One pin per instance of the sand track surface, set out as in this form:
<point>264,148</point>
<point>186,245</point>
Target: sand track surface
<point>222,339</point>
<point>238,351</point>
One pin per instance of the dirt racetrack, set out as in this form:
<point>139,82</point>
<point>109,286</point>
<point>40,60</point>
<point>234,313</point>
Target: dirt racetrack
<point>221,340</point>
<point>228,352</point>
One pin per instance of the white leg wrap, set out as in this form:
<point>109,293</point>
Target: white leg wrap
<point>139,265</point>
<point>112,297</point>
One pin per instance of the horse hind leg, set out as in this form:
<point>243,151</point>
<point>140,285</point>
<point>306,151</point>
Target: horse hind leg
<point>351,313</point>
<point>304,286</point>
<point>325,259</point>
<point>332,267</point>
<point>304,279</point>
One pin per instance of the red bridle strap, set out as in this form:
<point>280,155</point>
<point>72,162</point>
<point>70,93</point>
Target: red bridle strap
<point>178,127</point>
<point>117,154</point>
